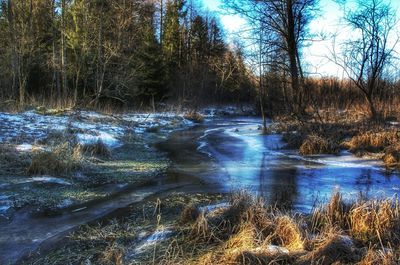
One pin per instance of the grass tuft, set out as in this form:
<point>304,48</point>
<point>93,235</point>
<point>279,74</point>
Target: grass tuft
<point>315,144</point>
<point>194,116</point>
<point>62,159</point>
<point>189,214</point>
<point>372,141</point>
<point>288,233</point>
<point>96,149</point>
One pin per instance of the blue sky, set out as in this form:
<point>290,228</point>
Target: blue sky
<point>327,23</point>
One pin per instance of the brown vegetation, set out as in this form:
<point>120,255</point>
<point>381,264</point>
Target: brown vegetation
<point>12,161</point>
<point>373,141</point>
<point>315,144</point>
<point>62,159</point>
<point>248,232</point>
<point>194,116</point>
<point>96,149</point>
<point>189,214</point>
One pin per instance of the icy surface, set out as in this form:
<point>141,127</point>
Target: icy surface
<point>5,204</point>
<point>27,128</point>
<point>149,241</point>
<point>273,249</point>
<point>212,207</point>
<point>24,147</point>
<point>46,179</point>
<point>242,158</point>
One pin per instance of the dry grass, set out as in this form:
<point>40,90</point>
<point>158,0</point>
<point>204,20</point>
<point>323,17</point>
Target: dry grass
<point>113,255</point>
<point>334,249</point>
<point>61,159</point>
<point>194,116</point>
<point>372,141</point>
<point>248,232</point>
<point>96,149</point>
<point>380,257</point>
<point>315,144</point>
<point>189,214</point>
<point>376,222</point>
<point>288,233</point>
<point>334,214</point>
<point>12,161</point>
<point>391,157</point>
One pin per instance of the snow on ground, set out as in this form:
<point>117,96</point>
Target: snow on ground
<point>151,240</point>
<point>25,129</point>
<point>228,110</point>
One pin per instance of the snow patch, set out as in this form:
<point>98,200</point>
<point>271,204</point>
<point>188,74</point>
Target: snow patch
<point>273,249</point>
<point>24,147</point>
<point>47,179</point>
<point>213,207</point>
<point>4,209</point>
<point>107,138</point>
<point>24,129</point>
<point>151,240</point>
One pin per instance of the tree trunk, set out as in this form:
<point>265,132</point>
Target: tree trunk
<point>99,66</point>
<point>373,112</point>
<point>292,52</point>
<point>161,24</point>
<point>56,74</point>
<point>261,86</point>
<point>63,53</point>
<point>14,59</point>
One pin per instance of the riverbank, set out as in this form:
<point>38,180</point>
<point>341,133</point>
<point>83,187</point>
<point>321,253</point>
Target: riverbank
<point>186,228</point>
<point>331,131</point>
<point>195,166</point>
<point>63,168</point>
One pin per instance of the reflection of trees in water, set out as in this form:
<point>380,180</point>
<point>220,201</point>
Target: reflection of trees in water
<point>278,186</point>
<point>364,182</point>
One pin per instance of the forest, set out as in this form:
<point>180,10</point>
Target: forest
<point>200,132</point>
<point>119,53</point>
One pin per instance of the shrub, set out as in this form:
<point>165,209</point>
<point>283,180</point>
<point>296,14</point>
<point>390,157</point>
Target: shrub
<point>288,233</point>
<point>194,116</point>
<point>189,214</point>
<point>315,144</point>
<point>293,140</point>
<point>391,157</point>
<point>96,149</point>
<point>62,159</point>
<point>372,141</point>
<point>11,160</point>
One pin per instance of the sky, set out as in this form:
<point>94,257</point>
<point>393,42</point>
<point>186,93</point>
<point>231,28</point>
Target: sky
<point>328,22</point>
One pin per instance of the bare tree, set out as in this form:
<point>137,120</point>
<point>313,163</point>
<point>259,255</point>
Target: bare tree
<point>288,21</point>
<point>365,58</point>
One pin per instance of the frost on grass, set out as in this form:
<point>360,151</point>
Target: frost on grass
<point>29,127</point>
<point>52,159</point>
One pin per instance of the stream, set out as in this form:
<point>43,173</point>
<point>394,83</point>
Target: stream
<point>221,155</point>
<point>231,155</point>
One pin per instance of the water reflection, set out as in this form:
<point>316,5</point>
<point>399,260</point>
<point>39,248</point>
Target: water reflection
<point>236,156</point>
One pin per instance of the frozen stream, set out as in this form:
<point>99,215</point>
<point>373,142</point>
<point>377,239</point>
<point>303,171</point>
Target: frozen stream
<point>232,155</point>
<point>220,155</point>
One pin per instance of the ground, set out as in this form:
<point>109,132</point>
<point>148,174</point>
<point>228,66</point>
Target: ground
<point>55,161</point>
<point>221,229</point>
